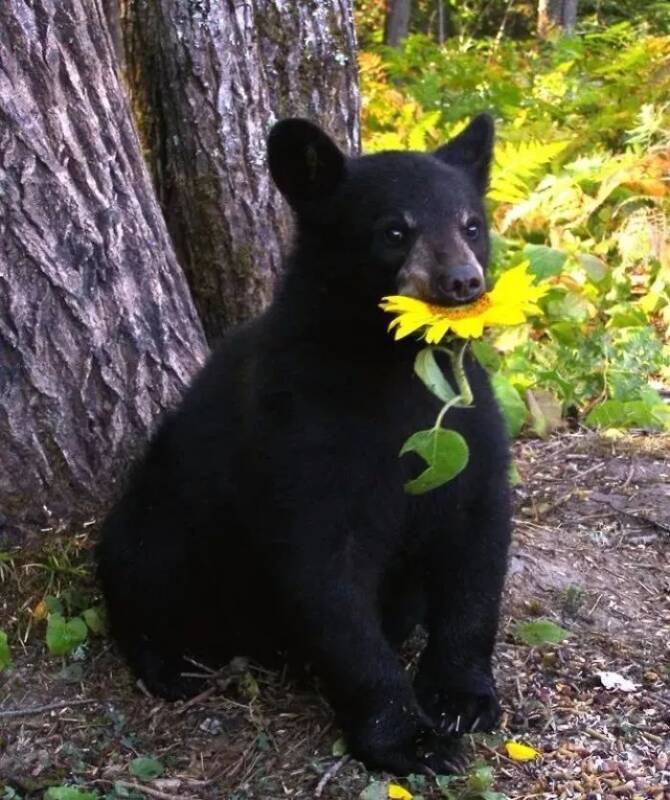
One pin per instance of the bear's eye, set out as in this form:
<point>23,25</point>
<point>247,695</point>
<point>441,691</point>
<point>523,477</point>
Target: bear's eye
<point>395,235</point>
<point>472,229</point>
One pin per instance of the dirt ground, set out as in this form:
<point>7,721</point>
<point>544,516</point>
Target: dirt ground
<point>591,552</point>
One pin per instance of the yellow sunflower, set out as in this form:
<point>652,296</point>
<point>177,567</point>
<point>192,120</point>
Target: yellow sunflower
<point>510,302</point>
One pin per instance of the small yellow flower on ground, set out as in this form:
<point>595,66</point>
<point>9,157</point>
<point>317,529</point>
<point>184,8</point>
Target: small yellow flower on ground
<point>41,611</point>
<point>521,752</point>
<point>510,302</point>
<point>396,792</point>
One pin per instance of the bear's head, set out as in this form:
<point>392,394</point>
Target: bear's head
<point>390,223</point>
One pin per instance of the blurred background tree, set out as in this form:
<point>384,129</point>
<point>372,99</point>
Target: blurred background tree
<point>391,21</point>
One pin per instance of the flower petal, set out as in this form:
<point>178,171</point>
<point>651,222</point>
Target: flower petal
<point>521,752</point>
<point>469,327</point>
<point>396,792</point>
<point>437,331</point>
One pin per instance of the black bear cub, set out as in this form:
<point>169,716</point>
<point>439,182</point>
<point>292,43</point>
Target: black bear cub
<point>268,515</point>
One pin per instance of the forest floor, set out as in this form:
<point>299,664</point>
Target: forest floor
<point>591,552</point>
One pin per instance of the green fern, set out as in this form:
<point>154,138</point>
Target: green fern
<point>517,165</point>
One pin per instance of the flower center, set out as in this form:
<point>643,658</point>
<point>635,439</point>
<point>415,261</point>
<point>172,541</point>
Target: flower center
<point>463,312</point>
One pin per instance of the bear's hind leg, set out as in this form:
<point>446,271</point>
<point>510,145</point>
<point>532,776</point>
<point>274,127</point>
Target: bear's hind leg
<point>163,673</point>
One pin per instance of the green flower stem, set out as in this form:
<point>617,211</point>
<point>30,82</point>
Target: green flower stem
<point>460,377</point>
<point>465,396</point>
<point>455,401</point>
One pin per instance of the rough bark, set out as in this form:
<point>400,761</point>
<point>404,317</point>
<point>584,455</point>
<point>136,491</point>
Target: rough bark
<point>208,79</point>
<point>556,15</point>
<point>97,329</point>
<point>112,11</point>
<point>396,27</point>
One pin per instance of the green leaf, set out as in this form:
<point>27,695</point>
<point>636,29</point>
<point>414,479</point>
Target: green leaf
<point>539,632</point>
<point>596,269</point>
<point>569,306</point>
<point>545,411</point>
<point>480,782</point>
<point>339,747</point>
<point>513,475</point>
<point>146,769</point>
<point>93,618</point>
<point>68,793</point>
<point>5,655</point>
<point>248,686</point>
<point>444,783</point>
<point>63,635</point>
<point>444,451</point>
<point>375,791</point>
<point>486,354</point>
<point>545,262</point>
<point>626,315</point>
<point>511,404</point>
<point>53,604</point>
<point>480,779</point>
<point>427,368</point>
<point>566,332</point>
<point>630,414</point>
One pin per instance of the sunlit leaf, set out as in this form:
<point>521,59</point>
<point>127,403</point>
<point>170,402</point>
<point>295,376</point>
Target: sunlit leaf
<point>570,306</point>
<point>593,266</point>
<point>545,262</point>
<point>545,411</point>
<point>630,414</point>
<point>539,632</point>
<point>486,354</point>
<point>63,635</point>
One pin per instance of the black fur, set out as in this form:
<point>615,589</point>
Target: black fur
<point>269,515</point>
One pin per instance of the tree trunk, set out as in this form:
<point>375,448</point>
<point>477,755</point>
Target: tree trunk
<point>556,15</point>
<point>208,79</point>
<point>97,329</point>
<point>396,28</point>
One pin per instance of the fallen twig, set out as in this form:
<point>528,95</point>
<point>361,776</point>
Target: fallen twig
<point>139,787</point>
<point>330,774</point>
<point>603,498</point>
<point>24,712</point>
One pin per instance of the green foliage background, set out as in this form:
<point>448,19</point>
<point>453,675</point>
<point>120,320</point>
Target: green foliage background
<point>580,189</point>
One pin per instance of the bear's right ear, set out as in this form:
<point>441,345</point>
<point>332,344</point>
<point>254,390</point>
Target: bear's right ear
<point>305,164</point>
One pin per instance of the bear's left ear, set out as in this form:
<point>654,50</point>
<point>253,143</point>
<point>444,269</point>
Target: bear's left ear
<point>306,164</point>
<point>472,150</point>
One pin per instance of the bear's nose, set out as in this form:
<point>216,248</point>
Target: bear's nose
<point>461,284</point>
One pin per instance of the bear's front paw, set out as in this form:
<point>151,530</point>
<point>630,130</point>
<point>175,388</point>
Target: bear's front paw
<point>404,742</point>
<point>387,740</point>
<point>456,710</point>
<point>441,755</point>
